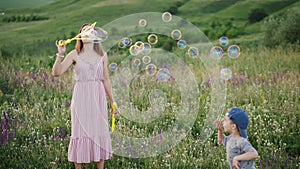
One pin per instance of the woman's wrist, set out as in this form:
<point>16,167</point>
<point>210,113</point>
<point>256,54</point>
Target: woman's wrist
<point>61,55</point>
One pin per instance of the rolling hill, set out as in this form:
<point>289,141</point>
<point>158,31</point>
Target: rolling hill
<point>62,18</point>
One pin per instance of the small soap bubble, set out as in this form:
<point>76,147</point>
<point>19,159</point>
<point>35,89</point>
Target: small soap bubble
<point>113,67</point>
<point>176,34</point>
<point>193,52</point>
<point>226,74</point>
<point>134,50</point>
<point>142,22</point>
<point>223,41</point>
<point>181,44</point>
<point>125,42</point>
<point>140,44</point>
<point>166,17</point>
<point>121,44</point>
<point>151,69</point>
<point>147,48</point>
<point>233,51</point>
<point>146,59</point>
<point>136,62</point>
<point>101,33</point>
<point>163,75</point>
<point>216,52</point>
<point>125,71</point>
<point>152,39</point>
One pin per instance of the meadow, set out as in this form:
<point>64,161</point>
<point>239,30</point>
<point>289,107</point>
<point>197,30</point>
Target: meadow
<point>35,121</point>
<point>35,115</point>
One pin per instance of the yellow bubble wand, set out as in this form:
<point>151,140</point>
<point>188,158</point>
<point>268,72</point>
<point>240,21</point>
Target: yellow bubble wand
<point>77,37</point>
<point>113,119</point>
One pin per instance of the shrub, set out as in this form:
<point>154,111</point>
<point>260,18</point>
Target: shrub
<point>23,18</point>
<point>283,29</point>
<point>257,15</point>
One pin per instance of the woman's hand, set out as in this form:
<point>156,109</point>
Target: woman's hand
<point>60,49</point>
<point>114,109</point>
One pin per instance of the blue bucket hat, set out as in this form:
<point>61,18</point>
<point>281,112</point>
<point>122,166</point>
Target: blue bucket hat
<point>240,118</point>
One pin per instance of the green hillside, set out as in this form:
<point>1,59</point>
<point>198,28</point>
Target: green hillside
<point>10,4</point>
<point>62,18</point>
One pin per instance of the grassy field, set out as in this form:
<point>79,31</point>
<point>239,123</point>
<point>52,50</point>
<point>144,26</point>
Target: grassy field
<point>35,119</point>
<point>35,122</point>
<point>64,18</point>
<point>4,5</point>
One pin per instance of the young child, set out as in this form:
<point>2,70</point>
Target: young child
<point>240,153</point>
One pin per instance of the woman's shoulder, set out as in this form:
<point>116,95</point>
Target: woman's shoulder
<point>73,52</point>
<point>104,56</point>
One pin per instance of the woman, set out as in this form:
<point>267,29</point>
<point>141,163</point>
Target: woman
<point>90,138</point>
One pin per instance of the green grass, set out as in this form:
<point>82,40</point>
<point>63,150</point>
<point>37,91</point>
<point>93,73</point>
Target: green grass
<point>265,83</point>
<point>65,17</point>
<point>4,5</point>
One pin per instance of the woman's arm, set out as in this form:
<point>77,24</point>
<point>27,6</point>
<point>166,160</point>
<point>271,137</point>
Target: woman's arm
<point>106,81</point>
<point>60,67</point>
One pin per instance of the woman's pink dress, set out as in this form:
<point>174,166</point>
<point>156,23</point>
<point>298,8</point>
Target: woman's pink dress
<point>90,139</point>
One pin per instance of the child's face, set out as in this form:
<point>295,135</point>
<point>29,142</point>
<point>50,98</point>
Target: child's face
<point>228,124</point>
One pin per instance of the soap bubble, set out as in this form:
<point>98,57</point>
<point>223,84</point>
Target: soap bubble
<point>152,39</point>
<point>163,75</point>
<point>226,74</point>
<point>113,67</point>
<point>151,69</point>
<point>134,50</point>
<point>146,59</point>
<point>193,52</point>
<point>216,52</point>
<point>223,41</point>
<point>233,51</point>
<point>176,34</point>
<point>142,22</point>
<point>181,44</point>
<point>136,62</point>
<point>166,17</point>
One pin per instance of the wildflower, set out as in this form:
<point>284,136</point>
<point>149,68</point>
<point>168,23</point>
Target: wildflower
<point>68,104</point>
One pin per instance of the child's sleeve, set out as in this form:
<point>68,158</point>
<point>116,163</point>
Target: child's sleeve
<point>225,140</point>
<point>247,147</point>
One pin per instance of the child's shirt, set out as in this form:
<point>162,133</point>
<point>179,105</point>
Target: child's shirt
<point>236,147</point>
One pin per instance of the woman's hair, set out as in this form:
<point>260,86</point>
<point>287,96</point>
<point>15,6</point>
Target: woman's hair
<point>97,46</point>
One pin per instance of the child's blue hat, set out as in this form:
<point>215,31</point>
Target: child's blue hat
<point>240,118</point>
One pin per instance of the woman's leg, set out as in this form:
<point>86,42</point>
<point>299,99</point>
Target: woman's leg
<point>77,165</point>
<point>100,164</point>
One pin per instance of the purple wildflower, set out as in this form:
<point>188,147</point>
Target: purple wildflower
<point>128,150</point>
<point>154,136</point>
<point>287,161</point>
<point>261,164</point>
<point>68,104</point>
<point>26,127</point>
<point>160,136</point>
<point>134,152</point>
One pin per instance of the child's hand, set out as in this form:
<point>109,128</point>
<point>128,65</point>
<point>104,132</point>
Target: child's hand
<point>235,163</point>
<point>218,124</point>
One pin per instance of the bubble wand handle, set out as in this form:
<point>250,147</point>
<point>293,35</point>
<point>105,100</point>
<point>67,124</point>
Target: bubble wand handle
<point>114,109</point>
<point>63,43</point>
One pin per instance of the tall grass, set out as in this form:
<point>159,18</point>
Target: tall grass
<point>35,115</point>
